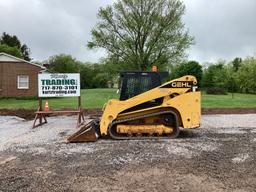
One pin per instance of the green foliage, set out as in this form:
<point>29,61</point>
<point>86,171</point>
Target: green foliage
<point>137,34</point>
<point>216,91</point>
<point>10,40</point>
<point>100,80</point>
<point>95,76</point>
<point>215,76</point>
<point>11,50</point>
<point>25,52</point>
<point>246,76</point>
<point>231,80</point>
<point>13,41</point>
<point>220,78</point>
<point>238,76</point>
<point>188,68</point>
<point>92,75</point>
<point>86,75</point>
<point>237,63</point>
<point>63,64</point>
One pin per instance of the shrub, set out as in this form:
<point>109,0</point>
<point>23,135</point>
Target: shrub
<point>216,91</point>
<point>246,77</point>
<point>188,68</point>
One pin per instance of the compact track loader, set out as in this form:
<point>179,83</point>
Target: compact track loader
<point>146,109</point>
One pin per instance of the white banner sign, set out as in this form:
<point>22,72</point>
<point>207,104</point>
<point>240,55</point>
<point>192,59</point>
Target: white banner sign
<point>59,85</point>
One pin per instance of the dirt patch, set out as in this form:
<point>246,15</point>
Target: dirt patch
<point>206,111</point>
<point>29,114</point>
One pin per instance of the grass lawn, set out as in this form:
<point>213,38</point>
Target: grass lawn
<point>226,101</point>
<point>90,98</point>
<point>95,98</point>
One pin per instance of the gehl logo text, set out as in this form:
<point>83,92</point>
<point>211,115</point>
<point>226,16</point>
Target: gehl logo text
<point>181,84</point>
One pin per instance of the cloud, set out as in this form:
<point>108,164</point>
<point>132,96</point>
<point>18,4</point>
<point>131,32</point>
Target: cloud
<point>222,29</point>
<point>51,27</point>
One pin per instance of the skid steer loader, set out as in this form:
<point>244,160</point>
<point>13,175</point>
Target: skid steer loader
<point>146,109</point>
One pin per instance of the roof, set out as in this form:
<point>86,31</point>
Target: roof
<point>9,58</point>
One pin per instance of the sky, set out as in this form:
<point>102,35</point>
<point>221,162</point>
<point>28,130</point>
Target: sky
<point>223,29</point>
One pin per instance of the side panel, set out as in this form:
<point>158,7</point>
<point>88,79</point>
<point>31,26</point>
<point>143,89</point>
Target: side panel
<point>189,107</point>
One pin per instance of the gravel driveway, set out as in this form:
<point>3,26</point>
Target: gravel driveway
<point>219,156</point>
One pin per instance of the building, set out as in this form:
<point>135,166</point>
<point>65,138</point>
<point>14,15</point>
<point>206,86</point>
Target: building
<point>18,78</point>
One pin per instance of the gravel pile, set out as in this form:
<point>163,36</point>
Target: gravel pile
<point>15,133</point>
<point>219,156</point>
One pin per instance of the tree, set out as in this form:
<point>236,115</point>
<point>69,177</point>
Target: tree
<point>246,75</point>
<point>11,50</point>
<point>139,33</point>
<point>188,68</point>
<point>101,76</point>
<point>25,52</point>
<point>13,41</point>
<point>237,63</point>
<point>215,76</point>
<point>63,64</point>
<point>10,40</point>
<point>86,75</point>
<point>92,75</point>
<point>231,80</point>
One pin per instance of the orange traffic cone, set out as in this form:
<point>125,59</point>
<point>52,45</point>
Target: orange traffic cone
<point>46,106</point>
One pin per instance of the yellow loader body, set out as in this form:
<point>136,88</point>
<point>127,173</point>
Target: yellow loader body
<point>156,112</point>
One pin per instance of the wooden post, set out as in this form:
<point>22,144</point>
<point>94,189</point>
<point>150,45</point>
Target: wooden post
<point>79,108</point>
<point>79,102</point>
<point>40,109</point>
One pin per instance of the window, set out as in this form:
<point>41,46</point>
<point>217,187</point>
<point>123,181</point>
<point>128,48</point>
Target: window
<point>23,82</point>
